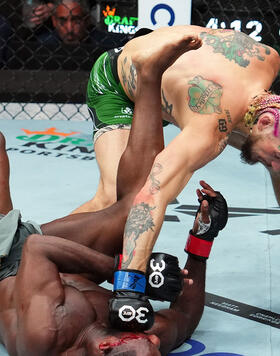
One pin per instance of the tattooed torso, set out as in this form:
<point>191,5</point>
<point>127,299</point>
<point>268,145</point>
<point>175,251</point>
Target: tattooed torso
<point>226,65</point>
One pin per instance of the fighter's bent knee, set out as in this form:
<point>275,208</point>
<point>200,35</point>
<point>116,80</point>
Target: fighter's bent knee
<point>32,242</point>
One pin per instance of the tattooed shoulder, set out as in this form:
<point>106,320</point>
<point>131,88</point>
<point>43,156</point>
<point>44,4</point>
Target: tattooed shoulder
<point>235,46</point>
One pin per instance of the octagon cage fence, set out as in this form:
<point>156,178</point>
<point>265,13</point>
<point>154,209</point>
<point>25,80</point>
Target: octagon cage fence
<point>44,77</point>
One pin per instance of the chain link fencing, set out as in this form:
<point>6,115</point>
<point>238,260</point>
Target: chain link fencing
<point>44,72</point>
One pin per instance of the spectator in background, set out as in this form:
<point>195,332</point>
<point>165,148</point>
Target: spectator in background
<point>71,22</point>
<point>36,12</point>
<point>72,25</point>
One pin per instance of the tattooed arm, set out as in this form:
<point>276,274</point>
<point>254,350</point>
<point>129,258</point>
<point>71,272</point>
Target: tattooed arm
<point>172,169</point>
<point>201,140</point>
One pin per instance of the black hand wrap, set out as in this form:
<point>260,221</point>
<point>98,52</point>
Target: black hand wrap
<point>218,212</point>
<point>199,245</point>
<point>129,309</point>
<point>164,278</point>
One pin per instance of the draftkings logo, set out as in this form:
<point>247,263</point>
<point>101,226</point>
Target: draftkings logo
<point>53,143</point>
<point>119,24</point>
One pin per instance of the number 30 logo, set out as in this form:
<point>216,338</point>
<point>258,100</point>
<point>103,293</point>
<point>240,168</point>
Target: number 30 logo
<point>156,278</point>
<point>128,313</point>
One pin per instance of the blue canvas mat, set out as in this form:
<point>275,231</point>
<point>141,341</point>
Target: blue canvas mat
<point>53,170</point>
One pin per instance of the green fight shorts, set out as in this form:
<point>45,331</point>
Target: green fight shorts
<point>108,105</point>
<point>13,233</point>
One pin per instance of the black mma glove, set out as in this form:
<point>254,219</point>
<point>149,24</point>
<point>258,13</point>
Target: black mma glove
<point>199,244</point>
<point>130,309</point>
<point>164,278</point>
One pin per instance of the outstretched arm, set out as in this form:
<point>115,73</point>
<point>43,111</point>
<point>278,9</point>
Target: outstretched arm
<point>5,196</point>
<point>175,325</point>
<point>170,173</point>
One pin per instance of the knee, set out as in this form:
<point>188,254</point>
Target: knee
<point>106,201</point>
<point>103,199</point>
<point>32,243</point>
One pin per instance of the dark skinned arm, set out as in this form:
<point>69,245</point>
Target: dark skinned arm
<point>39,293</point>
<point>5,196</point>
<point>175,325</point>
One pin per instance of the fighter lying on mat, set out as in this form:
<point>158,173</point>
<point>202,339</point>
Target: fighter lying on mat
<point>46,312</point>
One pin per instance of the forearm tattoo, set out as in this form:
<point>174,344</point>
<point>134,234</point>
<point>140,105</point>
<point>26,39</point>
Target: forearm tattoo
<point>204,96</point>
<point>155,183</point>
<point>139,220</point>
<point>236,46</point>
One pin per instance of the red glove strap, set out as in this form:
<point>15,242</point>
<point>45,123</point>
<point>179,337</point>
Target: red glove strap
<point>117,267</point>
<point>120,262</point>
<point>198,247</point>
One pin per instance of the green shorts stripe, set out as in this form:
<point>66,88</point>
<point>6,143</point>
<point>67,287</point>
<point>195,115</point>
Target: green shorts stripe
<point>107,102</point>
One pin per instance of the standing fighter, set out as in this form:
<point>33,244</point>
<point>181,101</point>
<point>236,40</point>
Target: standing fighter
<point>199,94</point>
<point>215,95</point>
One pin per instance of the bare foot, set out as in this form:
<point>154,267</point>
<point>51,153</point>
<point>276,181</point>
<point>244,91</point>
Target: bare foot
<point>162,53</point>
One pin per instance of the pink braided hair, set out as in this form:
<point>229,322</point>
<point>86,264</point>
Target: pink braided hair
<point>260,104</point>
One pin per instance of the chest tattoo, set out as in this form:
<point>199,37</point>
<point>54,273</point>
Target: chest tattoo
<point>204,96</point>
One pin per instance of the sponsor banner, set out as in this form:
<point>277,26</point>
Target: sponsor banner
<point>118,19</point>
<point>154,13</point>
<point>54,143</point>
